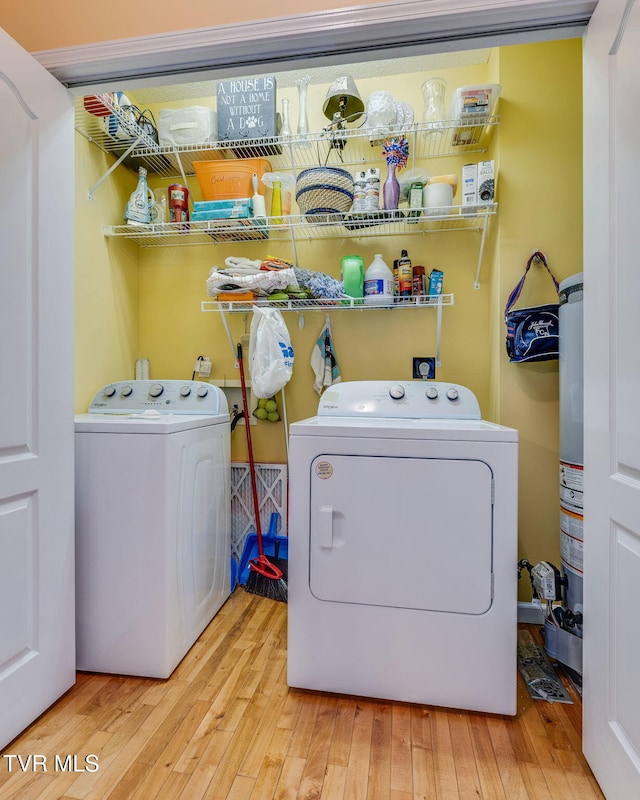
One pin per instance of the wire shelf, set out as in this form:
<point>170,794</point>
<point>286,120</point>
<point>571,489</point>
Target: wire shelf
<point>116,132</point>
<point>298,227</point>
<point>347,303</point>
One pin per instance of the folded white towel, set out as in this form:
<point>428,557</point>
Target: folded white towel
<point>323,360</point>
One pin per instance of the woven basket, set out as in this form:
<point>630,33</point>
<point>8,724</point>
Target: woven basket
<point>324,193</point>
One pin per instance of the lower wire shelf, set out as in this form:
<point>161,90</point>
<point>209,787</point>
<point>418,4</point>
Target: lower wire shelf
<point>434,302</point>
<point>347,303</point>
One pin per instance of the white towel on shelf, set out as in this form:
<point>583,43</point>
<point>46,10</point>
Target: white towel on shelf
<point>323,360</point>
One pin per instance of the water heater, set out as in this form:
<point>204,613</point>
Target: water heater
<point>563,641</point>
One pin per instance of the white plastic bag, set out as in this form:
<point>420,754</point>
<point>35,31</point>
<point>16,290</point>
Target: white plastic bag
<point>270,352</point>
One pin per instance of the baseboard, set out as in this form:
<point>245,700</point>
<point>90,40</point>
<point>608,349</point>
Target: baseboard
<point>530,613</point>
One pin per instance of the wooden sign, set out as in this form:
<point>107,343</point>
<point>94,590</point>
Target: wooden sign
<point>247,108</point>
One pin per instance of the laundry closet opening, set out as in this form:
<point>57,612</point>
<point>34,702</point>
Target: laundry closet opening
<point>142,293</point>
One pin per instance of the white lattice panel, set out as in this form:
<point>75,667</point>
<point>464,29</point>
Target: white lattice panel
<point>271,480</point>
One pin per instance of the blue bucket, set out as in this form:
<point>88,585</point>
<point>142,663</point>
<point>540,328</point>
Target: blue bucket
<point>274,547</point>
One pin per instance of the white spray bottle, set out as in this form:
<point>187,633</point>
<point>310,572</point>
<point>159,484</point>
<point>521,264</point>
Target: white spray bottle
<point>138,210</point>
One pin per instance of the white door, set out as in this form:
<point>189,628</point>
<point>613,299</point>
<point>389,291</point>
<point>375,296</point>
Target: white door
<point>611,734</point>
<point>37,640</point>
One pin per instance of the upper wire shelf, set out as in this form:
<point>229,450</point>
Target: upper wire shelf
<point>348,147</point>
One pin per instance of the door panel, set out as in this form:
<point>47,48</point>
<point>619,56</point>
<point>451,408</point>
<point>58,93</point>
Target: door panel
<point>17,545</point>
<point>16,309</point>
<point>37,647</point>
<point>611,728</point>
<point>402,532</point>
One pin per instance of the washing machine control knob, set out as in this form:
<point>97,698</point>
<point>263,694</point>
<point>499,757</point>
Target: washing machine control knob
<point>432,393</point>
<point>156,389</point>
<point>185,391</point>
<point>396,392</point>
<point>452,393</point>
<point>203,391</point>
<point>109,391</point>
<point>127,391</point>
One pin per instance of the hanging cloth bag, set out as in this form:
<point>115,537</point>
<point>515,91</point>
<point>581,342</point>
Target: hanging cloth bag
<point>532,333</point>
<point>270,352</point>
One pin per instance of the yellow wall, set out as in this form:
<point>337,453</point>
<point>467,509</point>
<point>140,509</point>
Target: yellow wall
<point>106,278</point>
<point>540,207</point>
<point>78,23</point>
<point>147,303</point>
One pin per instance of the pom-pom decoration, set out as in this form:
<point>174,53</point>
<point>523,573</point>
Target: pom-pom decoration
<point>396,152</point>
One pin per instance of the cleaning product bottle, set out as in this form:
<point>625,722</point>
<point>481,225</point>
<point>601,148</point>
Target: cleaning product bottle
<point>396,279</point>
<point>359,192</point>
<point>378,283</point>
<point>276,203</point>
<point>372,194</point>
<point>419,281</point>
<point>405,275</point>
<point>352,271</point>
<point>137,210</point>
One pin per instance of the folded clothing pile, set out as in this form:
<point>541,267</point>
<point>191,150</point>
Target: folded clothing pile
<point>241,275</point>
<point>272,277</point>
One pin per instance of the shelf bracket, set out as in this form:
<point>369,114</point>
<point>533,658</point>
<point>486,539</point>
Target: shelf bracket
<point>483,237</point>
<point>438,332</point>
<point>114,166</point>
<point>234,350</point>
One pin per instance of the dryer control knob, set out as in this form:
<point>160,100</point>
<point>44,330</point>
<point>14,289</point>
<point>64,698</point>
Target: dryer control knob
<point>156,389</point>
<point>127,391</point>
<point>185,391</point>
<point>203,391</point>
<point>452,393</point>
<point>432,393</point>
<point>396,392</point>
<point>109,391</point>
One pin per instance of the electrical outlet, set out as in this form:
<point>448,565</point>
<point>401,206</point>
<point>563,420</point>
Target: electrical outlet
<point>202,367</point>
<point>424,367</point>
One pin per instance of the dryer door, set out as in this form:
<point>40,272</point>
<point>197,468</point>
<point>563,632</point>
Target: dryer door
<point>402,532</point>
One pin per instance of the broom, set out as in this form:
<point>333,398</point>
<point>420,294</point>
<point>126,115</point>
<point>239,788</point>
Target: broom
<point>265,578</point>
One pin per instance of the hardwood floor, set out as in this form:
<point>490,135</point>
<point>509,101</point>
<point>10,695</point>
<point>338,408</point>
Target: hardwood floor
<point>225,726</point>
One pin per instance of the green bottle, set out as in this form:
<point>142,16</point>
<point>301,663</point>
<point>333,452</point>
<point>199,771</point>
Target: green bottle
<point>415,200</point>
<point>352,272</point>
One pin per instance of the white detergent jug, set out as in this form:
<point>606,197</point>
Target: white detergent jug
<point>378,283</point>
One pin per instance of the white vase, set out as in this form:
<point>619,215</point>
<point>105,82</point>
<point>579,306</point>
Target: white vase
<point>433,92</point>
<point>285,130</point>
<point>303,122</point>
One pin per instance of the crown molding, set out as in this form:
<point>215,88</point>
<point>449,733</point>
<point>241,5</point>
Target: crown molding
<point>396,27</point>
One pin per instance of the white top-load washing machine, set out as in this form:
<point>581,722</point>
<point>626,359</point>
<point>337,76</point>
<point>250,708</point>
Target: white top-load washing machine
<point>153,478</point>
<point>403,547</point>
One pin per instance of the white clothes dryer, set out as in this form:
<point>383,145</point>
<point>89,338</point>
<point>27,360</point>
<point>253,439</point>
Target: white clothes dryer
<point>153,505</point>
<point>403,547</point>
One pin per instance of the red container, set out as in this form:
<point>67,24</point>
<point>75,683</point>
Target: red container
<point>178,203</point>
<point>419,281</point>
<point>95,106</point>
